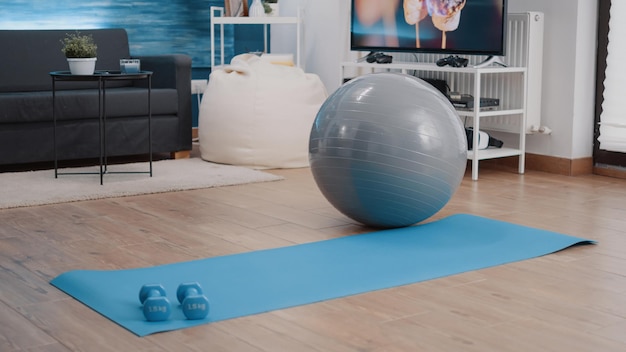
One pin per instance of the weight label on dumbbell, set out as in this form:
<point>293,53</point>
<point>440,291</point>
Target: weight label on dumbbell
<point>196,306</point>
<point>157,309</point>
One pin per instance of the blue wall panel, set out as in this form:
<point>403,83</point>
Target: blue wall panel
<point>154,26</point>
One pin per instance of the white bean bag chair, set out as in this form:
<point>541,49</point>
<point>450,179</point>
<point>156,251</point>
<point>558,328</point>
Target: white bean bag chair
<point>258,114</point>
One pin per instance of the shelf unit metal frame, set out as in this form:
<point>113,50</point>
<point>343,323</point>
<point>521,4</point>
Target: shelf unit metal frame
<point>218,19</point>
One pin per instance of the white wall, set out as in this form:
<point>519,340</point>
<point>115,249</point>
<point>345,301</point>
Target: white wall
<point>568,96</point>
<point>325,36</point>
<point>568,76</point>
<point>584,94</point>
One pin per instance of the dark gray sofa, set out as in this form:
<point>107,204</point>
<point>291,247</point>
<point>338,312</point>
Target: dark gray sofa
<point>26,124</point>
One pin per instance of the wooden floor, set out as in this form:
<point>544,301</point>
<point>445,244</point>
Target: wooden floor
<point>574,300</point>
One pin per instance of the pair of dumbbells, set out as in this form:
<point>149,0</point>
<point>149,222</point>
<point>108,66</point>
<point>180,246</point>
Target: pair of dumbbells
<point>156,306</point>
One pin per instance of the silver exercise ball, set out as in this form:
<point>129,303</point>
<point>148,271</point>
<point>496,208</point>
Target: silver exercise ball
<point>387,150</point>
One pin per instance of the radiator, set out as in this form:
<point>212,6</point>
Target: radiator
<point>524,49</point>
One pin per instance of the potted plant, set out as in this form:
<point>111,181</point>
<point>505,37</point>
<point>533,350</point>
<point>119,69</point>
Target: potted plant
<point>271,7</point>
<point>80,51</point>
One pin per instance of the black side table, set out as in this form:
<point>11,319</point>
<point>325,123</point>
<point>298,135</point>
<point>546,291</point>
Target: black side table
<point>101,77</point>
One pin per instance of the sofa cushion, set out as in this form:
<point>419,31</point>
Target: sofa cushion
<point>35,53</point>
<point>21,107</point>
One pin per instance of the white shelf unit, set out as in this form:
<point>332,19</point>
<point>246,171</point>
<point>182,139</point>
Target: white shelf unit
<point>478,82</point>
<point>218,19</point>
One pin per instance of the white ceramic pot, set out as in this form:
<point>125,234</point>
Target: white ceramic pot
<point>80,66</point>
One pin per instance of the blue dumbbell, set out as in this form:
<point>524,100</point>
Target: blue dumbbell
<point>156,306</point>
<point>194,303</point>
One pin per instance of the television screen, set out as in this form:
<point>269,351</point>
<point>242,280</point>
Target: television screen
<point>475,27</point>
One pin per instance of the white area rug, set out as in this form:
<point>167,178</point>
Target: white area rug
<point>21,189</point>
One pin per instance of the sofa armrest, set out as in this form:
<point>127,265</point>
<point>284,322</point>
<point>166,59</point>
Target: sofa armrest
<point>169,71</point>
<point>173,71</point>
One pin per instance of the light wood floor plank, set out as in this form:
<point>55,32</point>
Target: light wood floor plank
<point>13,327</point>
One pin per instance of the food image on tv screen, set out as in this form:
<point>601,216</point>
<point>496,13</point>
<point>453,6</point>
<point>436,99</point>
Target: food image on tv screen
<point>456,26</point>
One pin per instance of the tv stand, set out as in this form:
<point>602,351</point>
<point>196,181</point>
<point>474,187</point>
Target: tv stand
<point>495,60</point>
<point>507,83</point>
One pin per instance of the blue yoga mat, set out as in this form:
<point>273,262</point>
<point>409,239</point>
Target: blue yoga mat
<point>260,281</point>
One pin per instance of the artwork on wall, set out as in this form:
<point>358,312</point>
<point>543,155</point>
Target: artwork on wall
<point>154,27</point>
<point>235,8</point>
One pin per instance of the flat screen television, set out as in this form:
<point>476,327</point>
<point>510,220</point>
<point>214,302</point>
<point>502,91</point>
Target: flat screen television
<point>471,27</point>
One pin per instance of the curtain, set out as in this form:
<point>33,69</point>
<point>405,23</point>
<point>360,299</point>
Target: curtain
<point>613,117</point>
